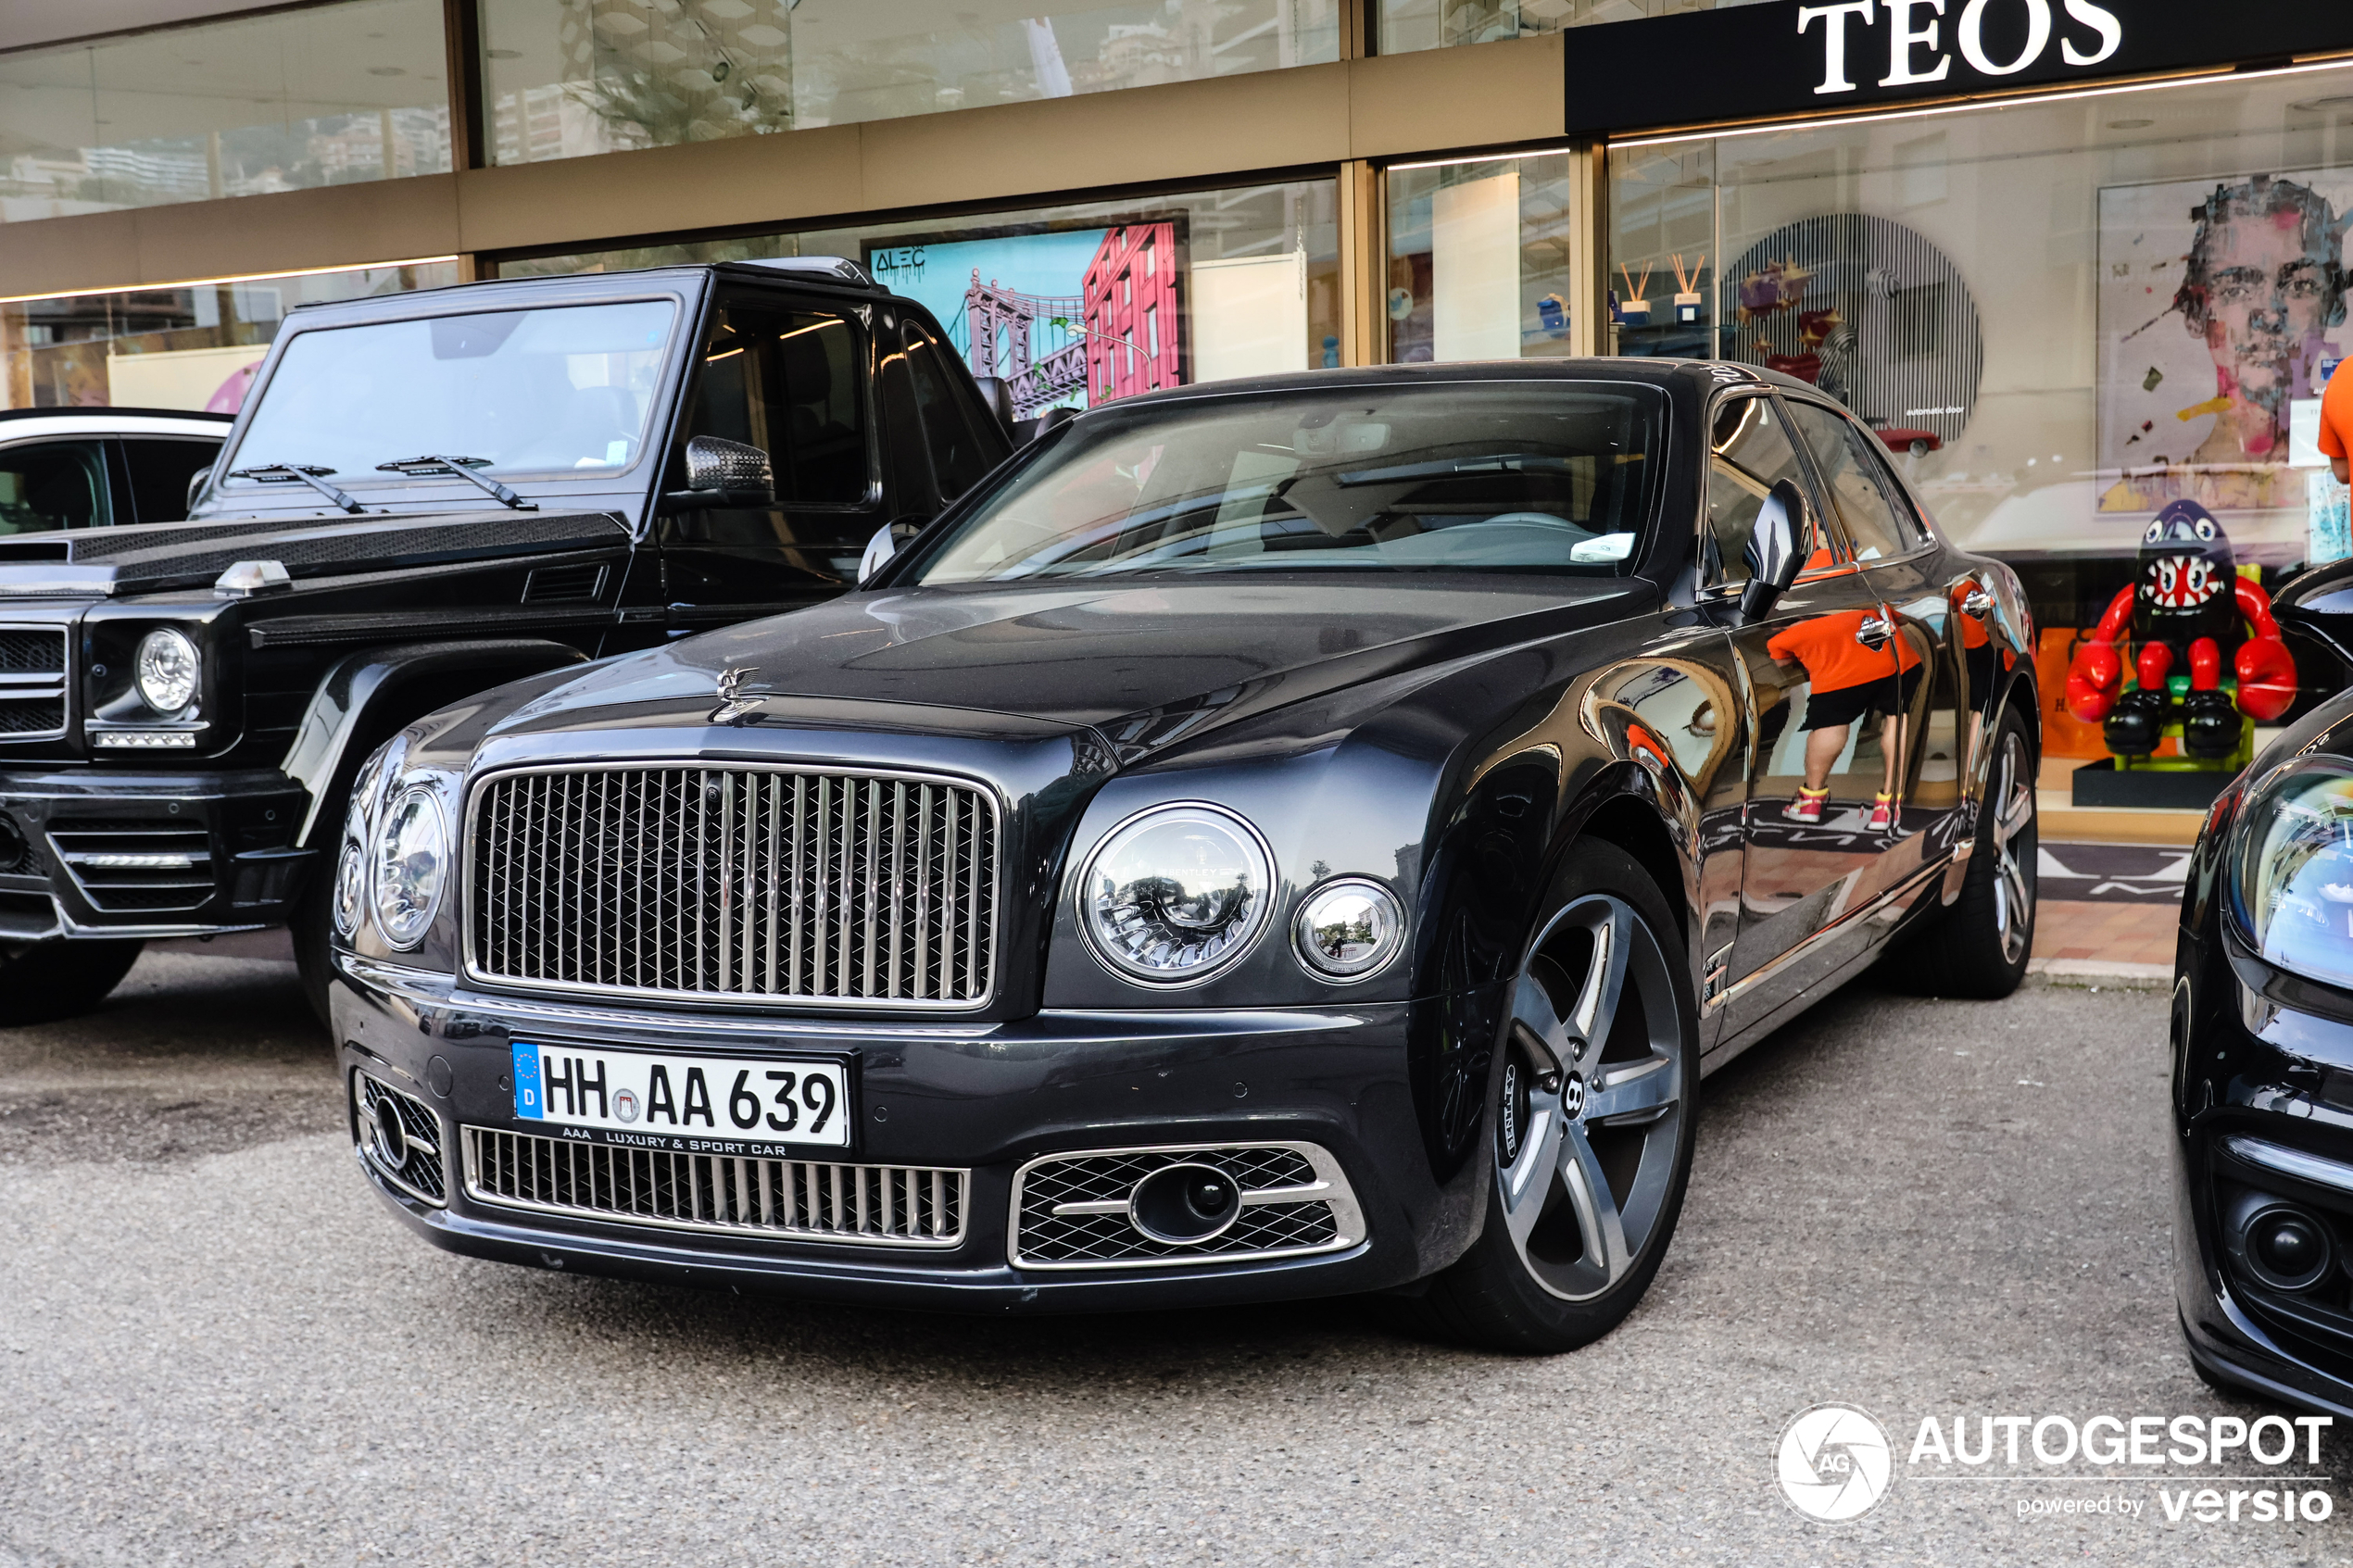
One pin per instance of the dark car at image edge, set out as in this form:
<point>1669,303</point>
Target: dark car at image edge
<point>1278,838</point>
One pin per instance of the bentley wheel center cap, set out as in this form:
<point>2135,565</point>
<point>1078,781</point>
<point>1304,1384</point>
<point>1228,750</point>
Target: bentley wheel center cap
<point>1573,1097</point>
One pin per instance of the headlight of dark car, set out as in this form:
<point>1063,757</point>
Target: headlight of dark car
<point>2292,870</point>
<point>412,865</point>
<point>168,670</point>
<point>1176,894</point>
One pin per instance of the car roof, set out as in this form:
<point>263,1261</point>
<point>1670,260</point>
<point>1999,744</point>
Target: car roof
<point>112,421</point>
<point>1640,371</point>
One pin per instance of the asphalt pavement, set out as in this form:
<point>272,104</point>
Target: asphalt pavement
<point>215,1348</point>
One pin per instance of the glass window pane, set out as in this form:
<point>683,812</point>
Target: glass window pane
<point>1073,305</point>
<point>320,95</point>
<point>1753,453</point>
<point>1478,260</point>
<point>565,79</point>
<point>1849,474</point>
<point>52,485</point>
<point>957,456</point>
<point>193,348</point>
<point>1407,25</point>
<point>160,471</point>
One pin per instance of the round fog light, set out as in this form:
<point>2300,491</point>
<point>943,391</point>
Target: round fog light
<point>2288,1248</point>
<point>1185,1205</point>
<point>392,1138</point>
<point>1347,930</point>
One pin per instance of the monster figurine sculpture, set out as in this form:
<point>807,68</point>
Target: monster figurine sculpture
<point>2184,608</point>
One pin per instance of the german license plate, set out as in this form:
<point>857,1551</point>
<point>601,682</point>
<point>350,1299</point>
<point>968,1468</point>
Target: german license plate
<point>698,1103</point>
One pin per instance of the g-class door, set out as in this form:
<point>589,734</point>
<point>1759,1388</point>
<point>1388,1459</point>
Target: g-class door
<point>789,378</point>
<point>1820,683</point>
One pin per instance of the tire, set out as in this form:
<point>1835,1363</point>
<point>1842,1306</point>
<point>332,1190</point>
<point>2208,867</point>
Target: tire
<point>1580,1212</point>
<point>1978,947</point>
<point>314,957</point>
<point>43,982</point>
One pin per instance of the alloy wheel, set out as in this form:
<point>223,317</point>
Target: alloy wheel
<point>2013,801</point>
<point>1593,1099</point>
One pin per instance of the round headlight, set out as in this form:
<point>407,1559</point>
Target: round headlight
<point>1176,894</point>
<point>1346,930</point>
<point>412,858</point>
<point>166,669</point>
<point>351,884</point>
<point>2291,871</point>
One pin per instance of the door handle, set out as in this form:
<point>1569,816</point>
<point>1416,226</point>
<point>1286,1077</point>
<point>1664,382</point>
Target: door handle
<point>1875,633</point>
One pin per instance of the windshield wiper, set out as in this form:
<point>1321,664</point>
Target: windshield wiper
<point>286,473</point>
<point>420,468</point>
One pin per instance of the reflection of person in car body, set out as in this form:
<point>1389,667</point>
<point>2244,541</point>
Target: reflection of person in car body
<point>1847,679</point>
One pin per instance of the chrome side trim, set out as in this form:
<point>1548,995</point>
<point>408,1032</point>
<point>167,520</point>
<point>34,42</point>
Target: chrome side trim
<point>2313,1168</point>
<point>1330,1186</point>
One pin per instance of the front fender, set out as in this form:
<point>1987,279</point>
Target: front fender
<point>372,692</point>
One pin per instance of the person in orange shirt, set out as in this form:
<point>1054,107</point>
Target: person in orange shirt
<point>1848,679</point>
<point>2336,421</point>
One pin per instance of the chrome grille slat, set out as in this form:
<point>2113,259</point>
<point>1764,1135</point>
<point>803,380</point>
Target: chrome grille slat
<point>750,1195</point>
<point>822,885</point>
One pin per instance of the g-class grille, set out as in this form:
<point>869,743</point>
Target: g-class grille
<point>735,881</point>
<point>33,683</point>
<point>131,868</point>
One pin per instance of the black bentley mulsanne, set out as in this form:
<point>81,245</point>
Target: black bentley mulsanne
<point>1278,838</point>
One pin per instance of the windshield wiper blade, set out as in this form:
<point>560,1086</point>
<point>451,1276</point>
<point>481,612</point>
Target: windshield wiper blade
<point>420,468</point>
<point>308,474</point>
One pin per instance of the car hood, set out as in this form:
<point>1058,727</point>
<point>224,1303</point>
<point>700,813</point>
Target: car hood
<point>149,558</point>
<point>1141,663</point>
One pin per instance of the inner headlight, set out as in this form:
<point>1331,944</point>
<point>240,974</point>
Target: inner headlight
<point>2291,871</point>
<point>351,881</point>
<point>167,665</point>
<point>1176,894</point>
<point>412,859</point>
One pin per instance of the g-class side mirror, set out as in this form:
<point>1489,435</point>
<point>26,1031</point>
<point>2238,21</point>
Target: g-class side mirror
<point>1776,552</point>
<point>723,474</point>
<point>883,546</point>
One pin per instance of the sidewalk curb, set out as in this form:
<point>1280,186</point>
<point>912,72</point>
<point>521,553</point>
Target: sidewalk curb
<point>2101,968</point>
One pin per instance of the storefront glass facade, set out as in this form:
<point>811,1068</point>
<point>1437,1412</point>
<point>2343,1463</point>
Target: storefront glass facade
<point>569,77</point>
<point>324,96</point>
<point>1402,26</point>
<point>190,347</point>
<point>2061,315</point>
<point>1478,259</point>
<point>1079,304</point>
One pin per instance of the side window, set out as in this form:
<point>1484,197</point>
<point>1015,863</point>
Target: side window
<point>1851,473</point>
<point>160,469</point>
<point>1750,452</point>
<point>958,458</point>
<point>786,381</point>
<point>53,484</point>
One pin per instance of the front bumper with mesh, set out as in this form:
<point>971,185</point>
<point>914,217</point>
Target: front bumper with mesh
<point>995,1165</point>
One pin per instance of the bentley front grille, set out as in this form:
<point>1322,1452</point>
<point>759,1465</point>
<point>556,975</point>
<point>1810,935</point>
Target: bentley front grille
<point>33,683</point>
<point>1080,1211</point>
<point>837,887</point>
<point>796,1199</point>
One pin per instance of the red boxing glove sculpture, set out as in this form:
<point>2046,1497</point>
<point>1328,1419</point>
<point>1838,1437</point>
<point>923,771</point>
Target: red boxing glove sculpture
<point>2182,618</point>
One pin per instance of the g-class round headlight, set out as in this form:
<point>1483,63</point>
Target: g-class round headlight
<point>351,887</point>
<point>167,668</point>
<point>1176,894</point>
<point>2292,870</point>
<point>412,859</point>
<point>1346,930</point>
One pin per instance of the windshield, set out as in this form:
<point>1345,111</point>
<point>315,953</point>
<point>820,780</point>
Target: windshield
<point>1549,476</point>
<point>565,391</point>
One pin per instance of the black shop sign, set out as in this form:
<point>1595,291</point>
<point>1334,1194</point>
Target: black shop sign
<point>1808,57</point>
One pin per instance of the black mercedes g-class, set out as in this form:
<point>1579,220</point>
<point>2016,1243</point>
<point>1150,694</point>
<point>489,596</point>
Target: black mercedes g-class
<point>427,496</point>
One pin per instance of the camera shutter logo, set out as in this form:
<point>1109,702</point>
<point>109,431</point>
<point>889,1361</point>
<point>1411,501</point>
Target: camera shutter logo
<point>1834,1463</point>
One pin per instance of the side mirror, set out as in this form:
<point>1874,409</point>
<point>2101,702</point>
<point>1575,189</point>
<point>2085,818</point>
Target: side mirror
<point>722,474</point>
<point>883,546</point>
<point>1776,552</point>
<point>999,395</point>
<point>196,482</point>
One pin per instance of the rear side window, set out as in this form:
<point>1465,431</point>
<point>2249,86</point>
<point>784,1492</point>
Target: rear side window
<point>1750,451</point>
<point>1859,486</point>
<point>786,381</point>
<point>952,432</point>
<point>47,485</point>
<point>159,471</point>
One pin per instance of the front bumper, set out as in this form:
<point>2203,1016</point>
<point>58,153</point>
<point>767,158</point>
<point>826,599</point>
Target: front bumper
<point>103,853</point>
<point>989,1099</point>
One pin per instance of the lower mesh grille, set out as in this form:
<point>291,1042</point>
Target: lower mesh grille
<point>127,867</point>
<point>418,1171</point>
<point>804,1200</point>
<point>33,718</point>
<point>1070,1210</point>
